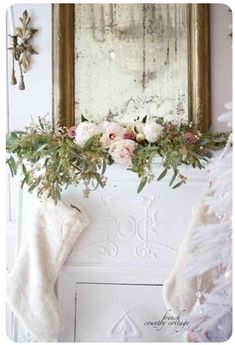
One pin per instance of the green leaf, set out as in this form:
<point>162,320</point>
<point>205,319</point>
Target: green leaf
<point>35,184</point>
<point>110,160</point>
<point>219,139</point>
<point>103,167</point>
<point>13,135</point>
<point>58,166</point>
<point>184,162</point>
<point>178,184</point>
<point>53,148</point>
<point>94,186</point>
<point>204,141</point>
<point>24,169</point>
<point>19,132</point>
<point>39,192</point>
<point>150,148</point>
<point>98,178</point>
<point>208,154</point>
<point>83,119</point>
<point>40,123</point>
<point>12,165</point>
<point>42,147</point>
<point>14,148</point>
<point>173,177</point>
<point>46,161</point>
<point>89,142</point>
<point>162,174</point>
<point>144,119</point>
<point>9,164</point>
<point>23,182</point>
<point>135,130</point>
<point>160,120</point>
<point>8,141</point>
<point>196,155</point>
<point>143,182</point>
<point>58,195</point>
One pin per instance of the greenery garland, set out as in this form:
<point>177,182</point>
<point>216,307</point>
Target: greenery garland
<point>51,160</point>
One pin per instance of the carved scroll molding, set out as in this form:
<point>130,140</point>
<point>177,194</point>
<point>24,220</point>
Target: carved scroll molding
<point>131,233</point>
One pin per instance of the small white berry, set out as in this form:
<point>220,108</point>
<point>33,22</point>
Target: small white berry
<point>140,137</point>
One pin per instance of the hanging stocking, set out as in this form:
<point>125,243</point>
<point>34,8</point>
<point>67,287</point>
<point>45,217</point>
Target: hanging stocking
<point>179,292</point>
<point>201,281</point>
<point>30,287</point>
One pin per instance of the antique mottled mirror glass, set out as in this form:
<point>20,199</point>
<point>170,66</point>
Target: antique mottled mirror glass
<point>122,62</point>
<point>134,61</point>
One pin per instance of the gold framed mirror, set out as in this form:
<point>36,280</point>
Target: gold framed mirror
<point>71,35</point>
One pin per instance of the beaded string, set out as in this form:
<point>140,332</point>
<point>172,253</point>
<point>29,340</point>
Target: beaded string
<point>198,294</point>
<point>227,146</point>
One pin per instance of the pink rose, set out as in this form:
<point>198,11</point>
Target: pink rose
<point>112,131</point>
<point>71,132</point>
<point>190,138</point>
<point>128,135</point>
<point>122,150</point>
<point>112,136</point>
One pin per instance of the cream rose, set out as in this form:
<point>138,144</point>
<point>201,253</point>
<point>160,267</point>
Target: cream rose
<point>104,125</point>
<point>122,150</point>
<point>112,132</point>
<point>152,131</point>
<point>139,127</point>
<point>85,131</point>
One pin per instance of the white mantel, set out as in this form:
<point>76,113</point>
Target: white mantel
<point>123,257</point>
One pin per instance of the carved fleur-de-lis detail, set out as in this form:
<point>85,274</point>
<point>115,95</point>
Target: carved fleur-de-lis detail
<point>124,329</point>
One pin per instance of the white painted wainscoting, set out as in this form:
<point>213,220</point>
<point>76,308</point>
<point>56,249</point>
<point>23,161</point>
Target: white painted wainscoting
<point>111,283</point>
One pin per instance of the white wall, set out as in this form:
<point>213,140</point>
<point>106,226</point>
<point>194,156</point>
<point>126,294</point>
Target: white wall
<point>221,61</point>
<point>36,99</point>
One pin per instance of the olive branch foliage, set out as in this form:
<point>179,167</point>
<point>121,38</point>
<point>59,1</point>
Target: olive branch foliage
<point>50,160</point>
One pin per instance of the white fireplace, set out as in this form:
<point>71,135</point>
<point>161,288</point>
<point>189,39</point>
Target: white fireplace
<point>110,288</point>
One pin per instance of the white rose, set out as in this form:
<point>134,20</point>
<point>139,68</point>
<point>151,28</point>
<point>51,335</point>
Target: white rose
<point>152,131</point>
<point>112,132</point>
<point>85,131</point>
<point>139,127</point>
<point>122,150</point>
<point>103,126</point>
<point>135,126</point>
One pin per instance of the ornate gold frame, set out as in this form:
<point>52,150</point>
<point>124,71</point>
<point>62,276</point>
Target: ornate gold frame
<point>63,64</point>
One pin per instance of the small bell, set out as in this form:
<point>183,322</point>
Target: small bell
<point>13,78</point>
<point>21,85</point>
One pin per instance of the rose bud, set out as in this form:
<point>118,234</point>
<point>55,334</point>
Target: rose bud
<point>140,137</point>
<point>71,132</point>
<point>128,135</point>
<point>190,138</point>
